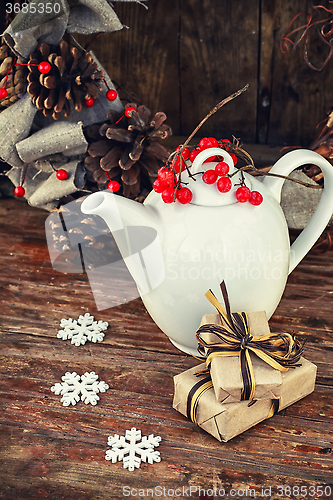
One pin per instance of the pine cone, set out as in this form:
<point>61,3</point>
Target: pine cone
<point>72,77</point>
<point>17,75</point>
<point>127,149</point>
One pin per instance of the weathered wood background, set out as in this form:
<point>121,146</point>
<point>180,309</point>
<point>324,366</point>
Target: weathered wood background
<point>48,451</point>
<point>183,57</point>
<point>179,57</point>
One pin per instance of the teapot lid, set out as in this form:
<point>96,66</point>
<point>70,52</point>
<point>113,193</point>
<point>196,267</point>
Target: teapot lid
<point>208,194</point>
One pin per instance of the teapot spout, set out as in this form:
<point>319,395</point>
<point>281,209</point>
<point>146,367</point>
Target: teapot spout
<point>119,212</point>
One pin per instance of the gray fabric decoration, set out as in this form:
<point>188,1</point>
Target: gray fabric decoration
<point>53,189</point>
<point>27,30</point>
<point>60,137</point>
<point>52,136</point>
<point>75,16</point>
<point>15,125</point>
<point>45,165</point>
<point>33,178</point>
<point>36,146</point>
<point>93,16</point>
<point>43,189</point>
<point>49,146</point>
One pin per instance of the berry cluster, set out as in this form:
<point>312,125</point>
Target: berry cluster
<point>244,194</point>
<point>170,188</point>
<point>224,184</point>
<point>169,184</point>
<point>211,142</point>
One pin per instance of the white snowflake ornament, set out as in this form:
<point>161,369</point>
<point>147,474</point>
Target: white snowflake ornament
<point>83,329</point>
<point>72,387</point>
<point>128,451</point>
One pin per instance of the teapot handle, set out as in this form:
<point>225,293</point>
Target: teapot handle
<point>320,218</point>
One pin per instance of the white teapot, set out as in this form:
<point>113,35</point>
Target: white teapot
<point>193,247</point>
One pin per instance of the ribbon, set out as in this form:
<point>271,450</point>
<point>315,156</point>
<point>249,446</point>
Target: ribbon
<point>279,350</point>
<point>194,395</point>
<point>204,385</point>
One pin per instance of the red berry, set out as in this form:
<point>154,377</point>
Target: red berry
<point>111,95</point>
<point>185,153</point>
<point>19,191</point>
<point>160,172</point>
<point>44,67</point>
<point>168,195</point>
<point>3,93</point>
<point>208,142</point>
<point>89,102</point>
<point>214,142</point>
<point>224,184</point>
<point>114,186</point>
<point>159,186</point>
<point>61,174</point>
<point>256,198</point>
<point>209,177</point>
<point>129,111</point>
<point>202,144</point>
<point>234,158</point>
<point>243,194</point>
<point>169,178</point>
<point>166,176</point>
<point>184,195</point>
<point>193,154</point>
<point>179,162</point>
<point>222,168</point>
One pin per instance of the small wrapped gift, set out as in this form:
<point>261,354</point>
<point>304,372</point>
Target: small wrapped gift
<point>195,398</point>
<point>244,358</point>
<point>226,371</point>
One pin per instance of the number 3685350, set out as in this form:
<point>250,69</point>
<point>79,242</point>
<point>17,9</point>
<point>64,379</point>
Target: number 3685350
<point>33,8</point>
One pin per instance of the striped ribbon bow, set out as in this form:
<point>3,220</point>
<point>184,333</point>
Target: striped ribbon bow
<point>279,350</point>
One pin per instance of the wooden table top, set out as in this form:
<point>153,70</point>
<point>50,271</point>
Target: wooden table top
<point>49,451</point>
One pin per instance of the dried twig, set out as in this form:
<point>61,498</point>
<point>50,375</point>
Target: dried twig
<point>235,147</point>
<point>287,178</point>
<point>323,27</point>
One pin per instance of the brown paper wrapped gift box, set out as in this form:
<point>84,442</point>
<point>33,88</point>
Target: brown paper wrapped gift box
<point>227,420</point>
<point>226,371</point>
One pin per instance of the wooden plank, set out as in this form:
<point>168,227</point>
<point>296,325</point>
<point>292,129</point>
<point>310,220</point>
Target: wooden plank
<point>293,98</point>
<point>218,56</point>
<point>144,58</point>
<point>180,58</point>
<point>183,58</point>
